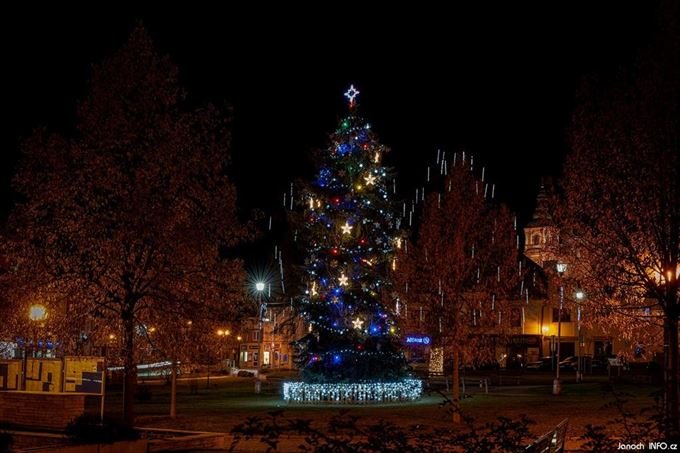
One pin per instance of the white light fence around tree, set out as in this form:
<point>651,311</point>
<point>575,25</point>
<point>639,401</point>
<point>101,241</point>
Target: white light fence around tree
<point>352,393</point>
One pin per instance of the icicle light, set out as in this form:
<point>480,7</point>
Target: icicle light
<point>354,393</point>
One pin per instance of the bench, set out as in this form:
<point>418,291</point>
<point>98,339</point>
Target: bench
<point>552,441</point>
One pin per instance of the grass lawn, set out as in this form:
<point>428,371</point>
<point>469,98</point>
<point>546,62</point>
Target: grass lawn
<point>229,400</point>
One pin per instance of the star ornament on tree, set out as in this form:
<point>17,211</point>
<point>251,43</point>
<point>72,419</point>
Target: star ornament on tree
<point>351,94</point>
<point>370,179</point>
<point>346,228</point>
<point>357,323</point>
<point>343,280</point>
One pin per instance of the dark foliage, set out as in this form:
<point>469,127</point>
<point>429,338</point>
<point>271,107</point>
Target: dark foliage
<point>348,433</point>
<point>90,430</point>
<point>6,441</point>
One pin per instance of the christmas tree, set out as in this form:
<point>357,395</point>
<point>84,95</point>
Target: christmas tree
<point>350,231</point>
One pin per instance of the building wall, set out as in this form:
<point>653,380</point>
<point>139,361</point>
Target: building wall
<point>267,344</point>
<point>39,409</point>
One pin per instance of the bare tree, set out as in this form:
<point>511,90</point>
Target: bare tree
<point>130,217</point>
<point>622,208</point>
<point>461,270</point>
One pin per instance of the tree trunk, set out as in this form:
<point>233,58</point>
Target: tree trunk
<point>130,370</point>
<point>455,391</point>
<point>173,389</point>
<point>671,414</point>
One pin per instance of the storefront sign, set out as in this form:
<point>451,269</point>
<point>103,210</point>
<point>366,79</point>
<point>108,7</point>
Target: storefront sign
<point>418,340</point>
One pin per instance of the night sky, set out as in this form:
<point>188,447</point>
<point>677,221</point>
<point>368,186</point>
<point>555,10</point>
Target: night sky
<point>496,81</point>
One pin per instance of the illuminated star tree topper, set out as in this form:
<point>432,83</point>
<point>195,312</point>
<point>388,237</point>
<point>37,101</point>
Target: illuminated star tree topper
<point>351,94</point>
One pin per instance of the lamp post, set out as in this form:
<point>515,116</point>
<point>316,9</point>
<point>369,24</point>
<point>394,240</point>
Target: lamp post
<point>579,367</point>
<point>36,313</point>
<point>237,359</point>
<point>259,288</point>
<point>557,387</point>
<point>223,334</point>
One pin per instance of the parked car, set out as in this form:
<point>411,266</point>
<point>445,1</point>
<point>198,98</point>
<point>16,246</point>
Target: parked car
<point>544,364</point>
<point>570,363</point>
<point>596,365</point>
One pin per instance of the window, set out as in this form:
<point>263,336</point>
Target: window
<point>255,335</point>
<point>536,239</point>
<point>566,315</point>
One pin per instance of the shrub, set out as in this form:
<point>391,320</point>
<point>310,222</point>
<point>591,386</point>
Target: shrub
<point>346,433</point>
<point>90,430</point>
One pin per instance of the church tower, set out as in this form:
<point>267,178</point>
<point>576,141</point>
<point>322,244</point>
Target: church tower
<point>541,236</point>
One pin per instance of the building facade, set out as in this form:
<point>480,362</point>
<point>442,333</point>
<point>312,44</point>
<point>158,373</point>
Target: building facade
<point>266,341</point>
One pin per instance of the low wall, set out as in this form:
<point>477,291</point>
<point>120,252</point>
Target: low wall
<point>133,446</point>
<point>176,440</point>
<point>40,409</point>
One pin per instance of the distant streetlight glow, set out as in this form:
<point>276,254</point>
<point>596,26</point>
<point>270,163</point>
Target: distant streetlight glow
<point>557,386</point>
<point>37,312</point>
<point>259,286</point>
<point>580,295</point>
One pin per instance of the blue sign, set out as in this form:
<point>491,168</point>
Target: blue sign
<point>418,339</point>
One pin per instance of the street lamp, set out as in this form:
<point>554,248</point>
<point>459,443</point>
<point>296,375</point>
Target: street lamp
<point>223,334</point>
<point>237,359</point>
<point>259,287</point>
<point>36,313</point>
<point>557,388</point>
<point>580,295</point>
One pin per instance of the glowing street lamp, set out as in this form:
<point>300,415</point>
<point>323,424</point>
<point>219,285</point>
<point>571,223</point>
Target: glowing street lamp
<point>580,295</point>
<point>223,333</point>
<point>259,287</point>
<point>557,387</point>
<point>37,312</point>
